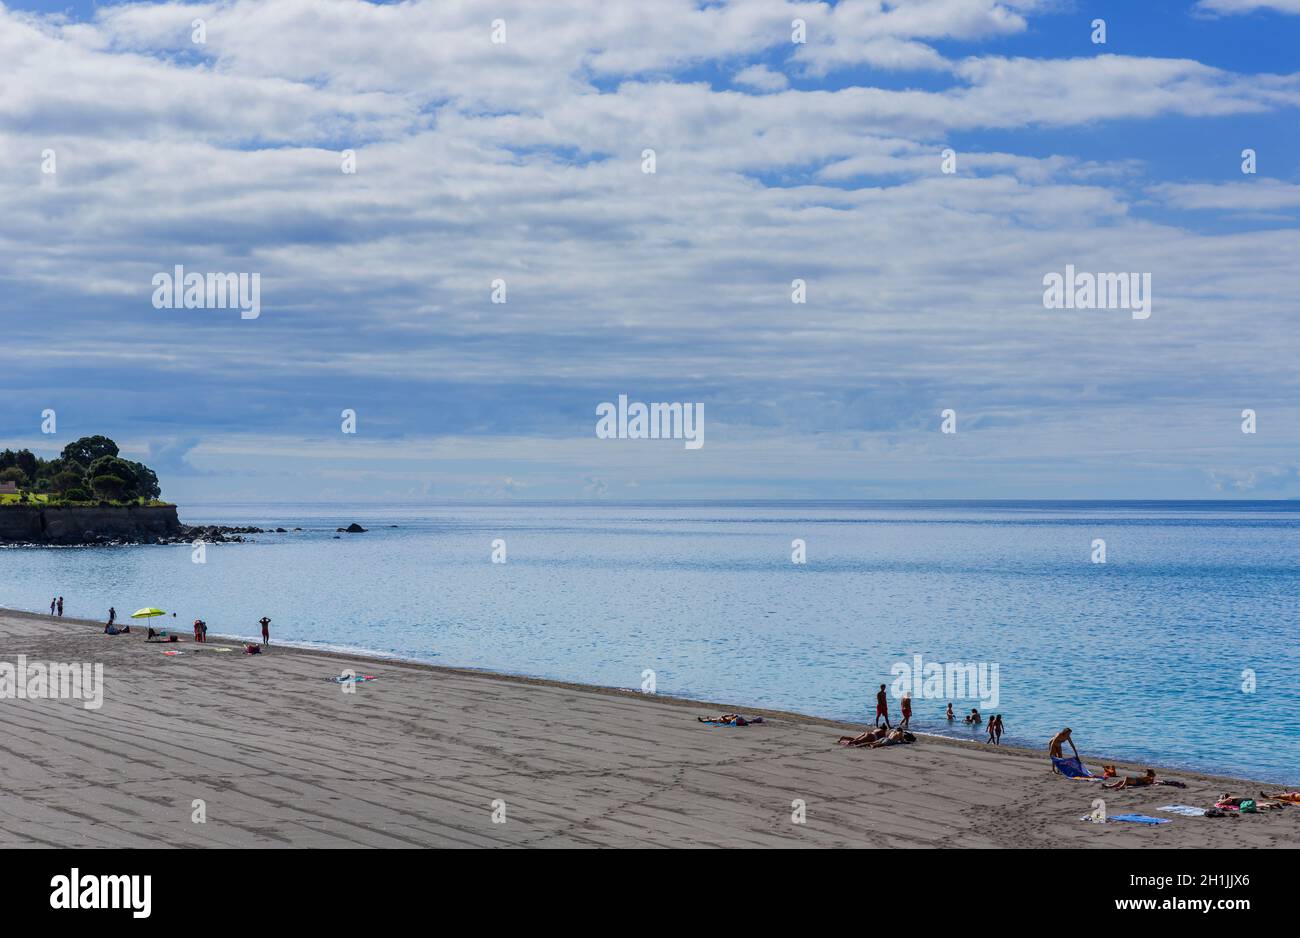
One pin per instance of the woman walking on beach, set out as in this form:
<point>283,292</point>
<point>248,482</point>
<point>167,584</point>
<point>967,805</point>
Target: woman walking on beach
<point>906,706</point>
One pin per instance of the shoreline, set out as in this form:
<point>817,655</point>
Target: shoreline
<point>343,653</point>
<point>272,752</point>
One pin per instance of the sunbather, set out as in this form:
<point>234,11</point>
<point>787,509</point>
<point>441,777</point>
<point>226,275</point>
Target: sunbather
<point>734,719</point>
<point>895,737</point>
<point>864,739</point>
<point>1133,781</point>
<point>1287,797</point>
<point>111,629</point>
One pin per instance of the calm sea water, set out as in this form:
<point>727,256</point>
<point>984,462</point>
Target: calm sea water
<point>1144,656</point>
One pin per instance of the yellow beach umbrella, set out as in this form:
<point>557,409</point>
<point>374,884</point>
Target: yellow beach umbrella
<point>147,613</point>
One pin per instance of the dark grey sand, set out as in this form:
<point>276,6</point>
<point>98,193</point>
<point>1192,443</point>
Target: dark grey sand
<point>282,757</point>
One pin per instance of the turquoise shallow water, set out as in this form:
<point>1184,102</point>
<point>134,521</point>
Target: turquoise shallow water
<point>1145,656</point>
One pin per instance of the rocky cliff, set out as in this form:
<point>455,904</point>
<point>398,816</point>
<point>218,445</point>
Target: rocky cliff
<point>132,524</point>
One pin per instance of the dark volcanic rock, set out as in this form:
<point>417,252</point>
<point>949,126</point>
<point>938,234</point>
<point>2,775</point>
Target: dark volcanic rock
<point>352,528</point>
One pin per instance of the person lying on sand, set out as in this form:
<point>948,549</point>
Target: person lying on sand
<point>111,629</point>
<point>1060,739</point>
<point>1133,781</point>
<point>732,718</point>
<point>895,737</point>
<point>1286,797</point>
<point>864,739</point>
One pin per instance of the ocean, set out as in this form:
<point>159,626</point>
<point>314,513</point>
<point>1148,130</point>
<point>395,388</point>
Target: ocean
<point>1180,649</point>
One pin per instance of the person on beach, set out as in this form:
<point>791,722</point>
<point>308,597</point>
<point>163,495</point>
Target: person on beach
<point>973,718</point>
<point>1133,781</point>
<point>112,615</point>
<point>111,629</point>
<point>865,738</point>
<point>997,740</point>
<point>950,715</point>
<point>893,738</point>
<point>906,706</point>
<point>198,630</point>
<point>60,605</point>
<point>1054,747</point>
<point>882,707</point>
<point>203,632</point>
<point>54,601</point>
<point>993,731</point>
<point>266,630</point>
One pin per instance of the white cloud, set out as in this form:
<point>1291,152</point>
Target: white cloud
<point>761,78</point>
<point>1230,7</point>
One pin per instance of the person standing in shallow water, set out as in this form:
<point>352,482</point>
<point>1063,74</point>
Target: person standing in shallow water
<point>266,630</point>
<point>53,602</point>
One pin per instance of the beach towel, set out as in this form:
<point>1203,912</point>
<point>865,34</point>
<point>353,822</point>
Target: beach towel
<point>1073,768</point>
<point>1186,810</point>
<point>739,721</point>
<point>352,680</point>
<point>1139,819</point>
<point>173,653</point>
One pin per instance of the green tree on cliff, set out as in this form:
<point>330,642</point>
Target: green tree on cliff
<point>89,448</point>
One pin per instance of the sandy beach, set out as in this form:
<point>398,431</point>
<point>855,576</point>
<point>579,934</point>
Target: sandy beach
<point>283,757</point>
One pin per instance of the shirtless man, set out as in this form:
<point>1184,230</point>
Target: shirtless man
<point>895,736</point>
<point>1133,781</point>
<point>864,739</point>
<point>882,707</point>
<point>1054,747</point>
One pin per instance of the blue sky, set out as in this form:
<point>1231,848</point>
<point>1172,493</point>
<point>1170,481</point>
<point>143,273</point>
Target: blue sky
<point>775,161</point>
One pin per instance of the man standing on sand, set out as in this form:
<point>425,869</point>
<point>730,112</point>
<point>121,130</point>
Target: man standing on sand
<point>266,630</point>
<point>1054,747</point>
<point>60,605</point>
<point>112,615</point>
<point>53,602</point>
<point>882,707</point>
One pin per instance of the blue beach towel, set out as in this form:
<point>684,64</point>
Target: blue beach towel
<point>1073,768</point>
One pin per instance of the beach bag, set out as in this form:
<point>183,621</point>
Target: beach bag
<point>1248,806</point>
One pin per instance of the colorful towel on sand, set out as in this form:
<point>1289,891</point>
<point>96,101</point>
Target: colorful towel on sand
<point>173,654</point>
<point>1073,768</point>
<point>1186,810</point>
<point>1138,819</point>
<point>352,680</point>
<point>739,721</point>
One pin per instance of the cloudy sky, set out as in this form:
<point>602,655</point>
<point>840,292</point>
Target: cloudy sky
<point>775,160</point>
